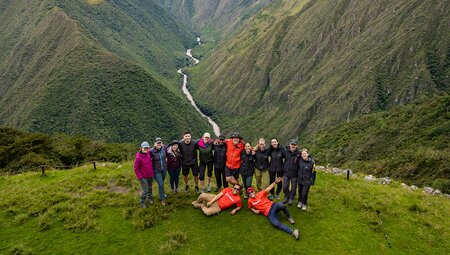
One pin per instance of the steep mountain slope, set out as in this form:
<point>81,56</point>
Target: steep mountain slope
<point>138,30</point>
<point>299,66</point>
<point>55,76</point>
<point>408,142</point>
<point>219,16</point>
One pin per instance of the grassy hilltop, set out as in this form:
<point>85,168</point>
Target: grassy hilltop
<point>84,211</point>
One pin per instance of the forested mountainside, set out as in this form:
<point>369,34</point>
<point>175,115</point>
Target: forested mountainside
<point>219,17</point>
<point>300,66</point>
<point>69,66</point>
<point>409,143</point>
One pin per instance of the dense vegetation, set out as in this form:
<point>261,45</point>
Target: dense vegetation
<point>410,143</point>
<point>21,151</point>
<point>60,74</point>
<point>299,66</point>
<point>86,211</point>
<point>206,16</point>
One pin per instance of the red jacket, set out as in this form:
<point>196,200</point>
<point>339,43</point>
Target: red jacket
<point>234,154</point>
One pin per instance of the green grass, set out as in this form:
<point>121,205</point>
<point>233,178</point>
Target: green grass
<point>78,211</point>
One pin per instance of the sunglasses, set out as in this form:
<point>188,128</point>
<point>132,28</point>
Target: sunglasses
<point>236,188</point>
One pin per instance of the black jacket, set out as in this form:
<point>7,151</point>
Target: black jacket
<point>159,158</point>
<point>262,160</point>
<point>220,156</point>
<point>290,162</point>
<point>188,152</point>
<point>247,164</point>
<point>276,159</point>
<point>306,174</point>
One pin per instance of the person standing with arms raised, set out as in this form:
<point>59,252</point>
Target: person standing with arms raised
<point>188,149</point>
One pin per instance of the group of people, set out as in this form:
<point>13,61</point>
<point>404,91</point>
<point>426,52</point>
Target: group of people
<point>286,168</point>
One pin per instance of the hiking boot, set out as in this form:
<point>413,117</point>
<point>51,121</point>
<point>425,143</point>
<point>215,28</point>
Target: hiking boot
<point>163,202</point>
<point>291,201</point>
<point>303,207</point>
<point>291,220</point>
<point>285,200</point>
<point>197,190</point>
<point>143,205</point>
<point>270,197</point>
<point>299,206</point>
<point>296,234</point>
<point>186,189</point>
<point>278,196</point>
<point>208,188</point>
<point>216,189</point>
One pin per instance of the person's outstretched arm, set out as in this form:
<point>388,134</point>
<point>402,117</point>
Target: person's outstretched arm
<point>271,186</point>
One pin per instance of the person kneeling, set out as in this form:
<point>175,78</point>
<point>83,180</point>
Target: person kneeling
<point>259,203</point>
<point>216,203</point>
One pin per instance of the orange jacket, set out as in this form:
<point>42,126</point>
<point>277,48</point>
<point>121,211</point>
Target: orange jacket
<point>234,154</point>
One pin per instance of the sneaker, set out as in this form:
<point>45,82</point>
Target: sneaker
<point>285,200</point>
<point>208,188</point>
<point>197,190</point>
<point>278,196</point>
<point>143,205</point>
<point>186,189</point>
<point>299,206</point>
<point>291,201</point>
<point>203,190</point>
<point>173,191</point>
<point>150,201</point>
<point>270,197</point>
<point>303,207</point>
<point>296,234</point>
<point>163,202</point>
<point>216,189</point>
<point>178,190</point>
<point>292,221</point>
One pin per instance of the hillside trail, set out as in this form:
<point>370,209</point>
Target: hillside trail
<point>214,125</point>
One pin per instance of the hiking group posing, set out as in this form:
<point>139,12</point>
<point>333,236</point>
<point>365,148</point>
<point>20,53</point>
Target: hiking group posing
<point>285,168</point>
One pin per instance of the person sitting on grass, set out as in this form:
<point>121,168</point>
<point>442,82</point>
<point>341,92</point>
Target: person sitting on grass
<point>259,203</point>
<point>216,203</point>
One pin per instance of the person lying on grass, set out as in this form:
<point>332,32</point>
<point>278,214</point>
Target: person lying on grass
<point>216,203</point>
<point>259,203</point>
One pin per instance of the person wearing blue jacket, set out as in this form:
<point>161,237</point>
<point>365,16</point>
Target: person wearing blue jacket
<point>306,177</point>
<point>159,160</point>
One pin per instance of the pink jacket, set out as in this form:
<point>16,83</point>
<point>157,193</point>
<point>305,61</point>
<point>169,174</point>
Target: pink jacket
<point>143,167</point>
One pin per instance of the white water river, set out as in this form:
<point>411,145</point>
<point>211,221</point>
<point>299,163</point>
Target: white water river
<point>214,125</point>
